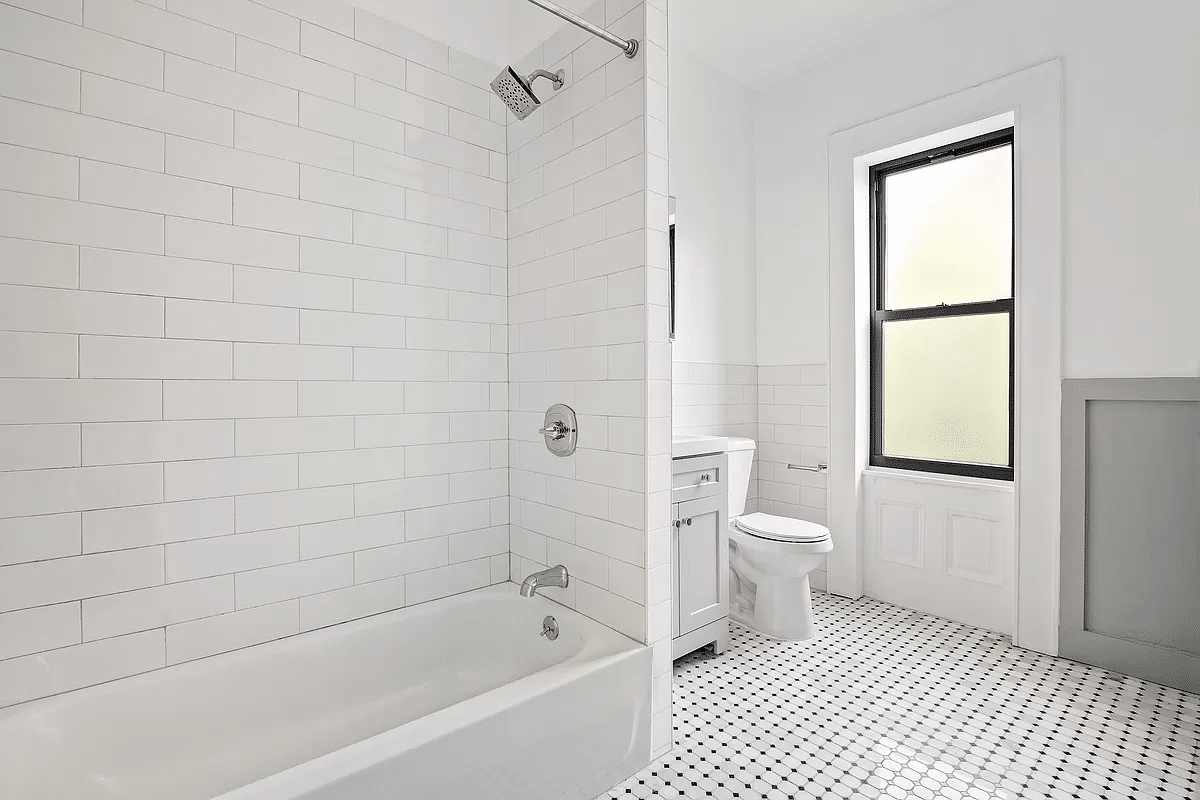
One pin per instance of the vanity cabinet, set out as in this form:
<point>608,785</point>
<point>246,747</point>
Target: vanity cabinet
<point>700,553</point>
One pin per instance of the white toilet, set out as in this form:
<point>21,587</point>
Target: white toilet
<point>769,559</point>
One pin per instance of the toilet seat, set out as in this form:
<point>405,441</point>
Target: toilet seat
<point>781,529</point>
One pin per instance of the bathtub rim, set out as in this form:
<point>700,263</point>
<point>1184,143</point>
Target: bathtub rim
<point>372,751</point>
<point>602,646</point>
<point>52,702</point>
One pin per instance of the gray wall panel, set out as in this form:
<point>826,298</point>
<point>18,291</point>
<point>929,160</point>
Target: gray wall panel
<point>1142,543</point>
<point>1130,556</point>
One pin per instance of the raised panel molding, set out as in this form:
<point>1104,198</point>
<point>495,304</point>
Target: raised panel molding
<point>974,547</point>
<point>901,533</point>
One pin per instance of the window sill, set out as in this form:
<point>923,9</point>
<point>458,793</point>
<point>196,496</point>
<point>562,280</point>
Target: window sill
<point>939,478</point>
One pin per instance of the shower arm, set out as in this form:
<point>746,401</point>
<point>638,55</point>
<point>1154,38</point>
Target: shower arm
<point>557,77</point>
<point>630,46</point>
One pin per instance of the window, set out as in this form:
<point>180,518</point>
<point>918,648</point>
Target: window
<point>942,309</point>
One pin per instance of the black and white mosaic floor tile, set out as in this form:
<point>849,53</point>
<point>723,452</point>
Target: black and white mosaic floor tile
<point>891,703</point>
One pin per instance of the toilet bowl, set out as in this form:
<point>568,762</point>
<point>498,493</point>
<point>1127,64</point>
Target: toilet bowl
<point>769,588</point>
<point>770,559</point>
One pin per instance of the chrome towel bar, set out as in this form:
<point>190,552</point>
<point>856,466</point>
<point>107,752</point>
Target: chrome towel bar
<point>820,467</point>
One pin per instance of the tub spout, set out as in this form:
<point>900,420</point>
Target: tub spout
<point>555,576</point>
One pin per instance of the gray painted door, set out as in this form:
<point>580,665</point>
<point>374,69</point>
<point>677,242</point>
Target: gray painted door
<point>1131,527</point>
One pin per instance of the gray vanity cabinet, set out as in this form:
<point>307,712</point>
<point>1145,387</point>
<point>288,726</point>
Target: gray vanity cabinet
<point>700,554</point>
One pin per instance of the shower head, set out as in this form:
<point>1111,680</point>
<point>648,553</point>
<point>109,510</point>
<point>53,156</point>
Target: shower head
<point>517,92</point>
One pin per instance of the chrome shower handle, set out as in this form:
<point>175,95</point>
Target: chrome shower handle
<point>555,431</point>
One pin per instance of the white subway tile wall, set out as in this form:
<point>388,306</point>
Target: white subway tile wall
<point>657,580</point>
<point>783,408</point>
<point>715,399</point>
<point>793,428</point>
<point>718,400</point>
<point>587,310</point>
<point>254,332</point>
<point>572,340</point>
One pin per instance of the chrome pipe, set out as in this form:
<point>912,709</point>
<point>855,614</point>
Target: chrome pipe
<point>557,77</point>
<point>630,46</point>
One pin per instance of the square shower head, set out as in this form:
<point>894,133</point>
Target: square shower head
<point>516,93</point>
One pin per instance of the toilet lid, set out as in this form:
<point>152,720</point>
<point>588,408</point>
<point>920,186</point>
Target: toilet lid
<point>782,529</point>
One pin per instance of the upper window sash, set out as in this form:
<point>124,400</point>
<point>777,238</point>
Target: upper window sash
<point>916,267</point>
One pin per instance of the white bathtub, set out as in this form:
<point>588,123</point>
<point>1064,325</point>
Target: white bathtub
<point>459,698</point>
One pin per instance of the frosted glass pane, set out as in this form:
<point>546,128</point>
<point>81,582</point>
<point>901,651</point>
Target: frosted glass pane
<point>949,231</point>
<point>945,389</point>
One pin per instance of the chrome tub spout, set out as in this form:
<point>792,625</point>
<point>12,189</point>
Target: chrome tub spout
<point>555,576</point>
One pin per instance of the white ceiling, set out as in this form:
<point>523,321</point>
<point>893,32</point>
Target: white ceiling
<point>497,31</point>
<point>757,42</point>
<point>760,42</point>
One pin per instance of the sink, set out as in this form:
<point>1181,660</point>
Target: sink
<point>686,445</point>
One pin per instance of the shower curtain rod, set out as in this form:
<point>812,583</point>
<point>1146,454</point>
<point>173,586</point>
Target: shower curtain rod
<point>629,46</point>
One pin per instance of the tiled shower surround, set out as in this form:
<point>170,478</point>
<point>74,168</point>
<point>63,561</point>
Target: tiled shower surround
<point>577,307</point>
<point>253,300</point>
<point>588,255</point>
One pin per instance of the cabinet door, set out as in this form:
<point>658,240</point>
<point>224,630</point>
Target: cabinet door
<point>702,538</point>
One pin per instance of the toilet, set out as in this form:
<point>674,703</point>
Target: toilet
<point>769,559</point>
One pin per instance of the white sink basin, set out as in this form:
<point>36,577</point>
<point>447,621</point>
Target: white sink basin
<point>685,445</point>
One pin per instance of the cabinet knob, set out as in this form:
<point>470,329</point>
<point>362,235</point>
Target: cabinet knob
<point>689,520</point>
<point>705,478</point>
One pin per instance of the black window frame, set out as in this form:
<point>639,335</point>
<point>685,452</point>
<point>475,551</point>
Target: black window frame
<point>880,314</point>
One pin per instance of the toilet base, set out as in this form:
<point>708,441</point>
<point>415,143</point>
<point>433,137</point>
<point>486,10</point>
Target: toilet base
<point>782,610</point>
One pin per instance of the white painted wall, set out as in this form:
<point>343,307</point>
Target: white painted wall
<point>1131,168</point>
<point>715,388</point>
<point>712,179</point>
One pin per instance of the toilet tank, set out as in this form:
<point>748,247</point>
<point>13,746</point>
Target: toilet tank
<point>741,457</point>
